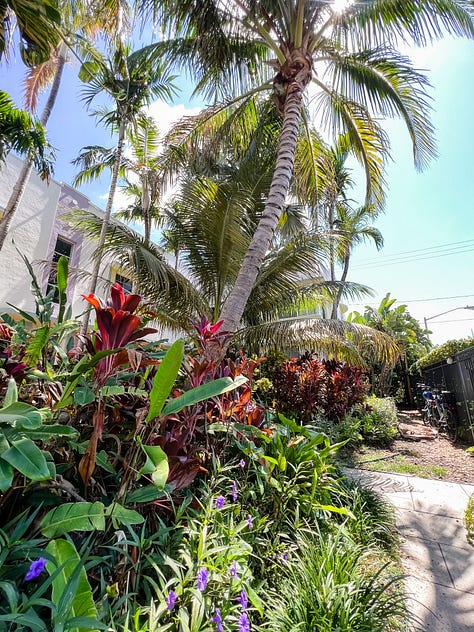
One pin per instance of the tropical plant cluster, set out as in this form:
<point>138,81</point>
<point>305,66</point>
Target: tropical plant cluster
<point>307,388</point>
<point>145,490</point>
<point>143,486</point>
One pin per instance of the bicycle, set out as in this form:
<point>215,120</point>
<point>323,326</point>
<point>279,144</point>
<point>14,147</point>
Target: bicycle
<point>438,413</point>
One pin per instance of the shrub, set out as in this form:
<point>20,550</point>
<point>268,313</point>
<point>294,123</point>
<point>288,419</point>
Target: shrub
<point>332,583</point>
<point>306,387</point>
<point>377,419</point>
<point>469,519</point>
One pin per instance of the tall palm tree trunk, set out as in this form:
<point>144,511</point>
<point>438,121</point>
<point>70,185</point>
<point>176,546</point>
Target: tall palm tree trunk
<point>337,299</point>
<point>235,303</point>
<point>24,176</point>
<point>106,220</point>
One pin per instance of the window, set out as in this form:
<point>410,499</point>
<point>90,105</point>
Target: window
<point>62,248</point>
<point>124,281</point>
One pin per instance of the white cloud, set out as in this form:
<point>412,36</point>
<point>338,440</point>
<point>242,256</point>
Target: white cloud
<point>166,115</point>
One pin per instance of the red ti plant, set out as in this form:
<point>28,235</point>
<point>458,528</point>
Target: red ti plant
<point>117,326</point>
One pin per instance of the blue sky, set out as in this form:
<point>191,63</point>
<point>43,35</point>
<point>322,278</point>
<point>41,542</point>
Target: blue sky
<point>427,261</point>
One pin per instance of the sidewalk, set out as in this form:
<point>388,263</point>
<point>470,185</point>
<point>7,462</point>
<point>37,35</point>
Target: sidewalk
<point>438,560</point>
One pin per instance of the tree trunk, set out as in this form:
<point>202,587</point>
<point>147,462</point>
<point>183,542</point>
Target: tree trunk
<point>235,303</point>
<point>105,221</point>
<point>24,176</point>
<point>337,300</point>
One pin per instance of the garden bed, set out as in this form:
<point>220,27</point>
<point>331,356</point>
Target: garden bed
<point>426,457</point>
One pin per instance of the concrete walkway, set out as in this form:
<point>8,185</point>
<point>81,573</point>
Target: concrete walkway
<point>438,560</point>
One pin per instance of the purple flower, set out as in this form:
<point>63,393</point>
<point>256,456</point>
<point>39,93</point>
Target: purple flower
<point>311,463</point>
<point>234,491</point>
<point>217,619</point>
<point>220,501</point>
<point>250,521</point>
<point>233,570</point>
<point>36,568</point>
<point>242,463</point>
<point>285,556</point>
<point>244,623</point>
<point>171,599</point>
<point>202,578</point>
<point>243,600</point>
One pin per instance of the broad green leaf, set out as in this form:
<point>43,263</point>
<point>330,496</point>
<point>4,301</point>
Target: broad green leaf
<point>80,516</point>
<point>88,71</point>
<point>83,395</point>
<point>102,460</point>
<point>205,391</point>
<point>37,344</point>
<point>11,396</point>
<point>61,282</point>
<point>71,592</point>
<point>23,314</point>
<point>120,515</point>
<point>21,415</point>
<point>156,465</point>
<point>27,458</point>
<point>6,475</point>
<point>82,367</point>
<point>165,378</point>
<point>144,494</point>
<point>48,432</point>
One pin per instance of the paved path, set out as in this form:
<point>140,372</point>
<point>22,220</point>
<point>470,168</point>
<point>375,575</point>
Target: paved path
<point>436,556</point>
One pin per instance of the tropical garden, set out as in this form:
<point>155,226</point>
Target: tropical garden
<point>194,483</point>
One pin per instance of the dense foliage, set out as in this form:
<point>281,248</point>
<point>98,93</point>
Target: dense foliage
<point>151,492</point>
<point>443,352</point>
<point>307,387</point>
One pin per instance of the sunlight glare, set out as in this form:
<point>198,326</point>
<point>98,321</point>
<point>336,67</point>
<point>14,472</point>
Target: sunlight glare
<point>339,6</point>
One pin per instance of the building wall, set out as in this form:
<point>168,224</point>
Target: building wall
<point>33,233</point>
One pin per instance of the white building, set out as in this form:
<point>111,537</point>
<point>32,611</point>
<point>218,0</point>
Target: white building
<point>38,232</point>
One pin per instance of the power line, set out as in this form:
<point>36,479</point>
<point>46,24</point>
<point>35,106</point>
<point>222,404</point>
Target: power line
<point>380,263</point>
<point>416,250</point>
<point>422,300</point>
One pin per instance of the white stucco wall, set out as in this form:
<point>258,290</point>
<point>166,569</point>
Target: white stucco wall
<point>33,231</point>
<point>29,231</point>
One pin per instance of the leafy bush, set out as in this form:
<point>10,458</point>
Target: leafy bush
<point>306,387</point>
<point>444,351</point>
<point>377,419</point>
<point>469,519</point>
<point>332,583</point>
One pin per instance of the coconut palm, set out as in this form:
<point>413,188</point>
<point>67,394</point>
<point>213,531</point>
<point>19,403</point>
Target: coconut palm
<point>140,172</point>
<point>20,132</point>
<point>348,56</point>
<point>131,80</point>
<point>78,20</point>
<point>211,221</point>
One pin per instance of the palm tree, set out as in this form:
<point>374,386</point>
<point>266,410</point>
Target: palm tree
<point>412,341</point>
<point>354,226</point>
<point>78,20</point>
<point>350,58</point>
<point>131,80</point>
<point>140,171</point>
<point>38,23</point>
<point>20,132</point>
<point>205,222</point>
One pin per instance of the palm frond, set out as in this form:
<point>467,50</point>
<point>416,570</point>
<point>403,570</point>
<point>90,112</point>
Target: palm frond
<point>332,338</point>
